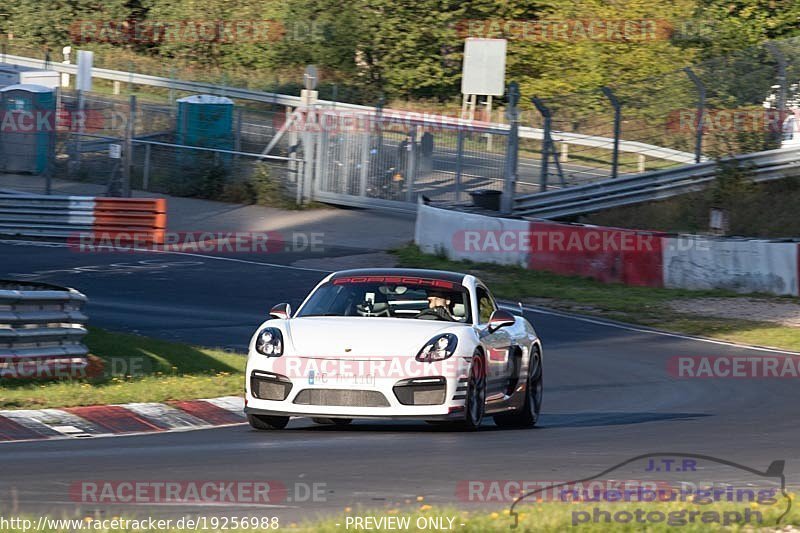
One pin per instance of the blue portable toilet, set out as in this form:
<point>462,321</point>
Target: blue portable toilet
<point>205,120</point>
<point>27,128</point>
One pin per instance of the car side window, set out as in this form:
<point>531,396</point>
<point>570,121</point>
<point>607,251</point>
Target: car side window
<point>486,305</point>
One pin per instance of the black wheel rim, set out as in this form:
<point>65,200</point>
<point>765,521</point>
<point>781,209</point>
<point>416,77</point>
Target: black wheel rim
<point>535,385</point>
<point>476,391</point>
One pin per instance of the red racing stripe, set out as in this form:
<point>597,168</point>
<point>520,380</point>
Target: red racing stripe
<point>209,412</point>
<point>114,418</point>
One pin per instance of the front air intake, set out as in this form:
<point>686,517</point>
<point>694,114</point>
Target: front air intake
<point>421,391</point>
<point>341,398</point>
<point>268,386</point>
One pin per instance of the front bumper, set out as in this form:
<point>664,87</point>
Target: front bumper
<point>455,415</point>
<point>421,397</point>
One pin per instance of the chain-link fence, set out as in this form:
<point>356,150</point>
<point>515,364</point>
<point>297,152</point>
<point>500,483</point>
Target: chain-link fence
<point>124,143</point>
<point>399,156</point>
<point>739,103</point>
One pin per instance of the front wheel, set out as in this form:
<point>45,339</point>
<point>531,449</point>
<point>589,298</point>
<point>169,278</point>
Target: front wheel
<point>475,401</point>
<point>264,422</point>
<point>529,414</point>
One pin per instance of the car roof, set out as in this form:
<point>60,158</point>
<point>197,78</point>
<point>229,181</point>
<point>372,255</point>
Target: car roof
<point>443,275</point>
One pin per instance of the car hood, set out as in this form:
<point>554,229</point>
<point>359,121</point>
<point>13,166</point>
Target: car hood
<point>362,337</point>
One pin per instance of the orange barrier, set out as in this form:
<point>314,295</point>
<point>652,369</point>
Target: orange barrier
<point>126,216</point>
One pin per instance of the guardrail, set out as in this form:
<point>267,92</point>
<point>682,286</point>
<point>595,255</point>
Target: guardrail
<point>70,216</point>
<point>41,331</point>
<point>647,150</point>
<point>651,186</point>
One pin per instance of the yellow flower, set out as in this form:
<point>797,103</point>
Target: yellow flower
<point>494,516</point>
<point>425,507</point>
<point>392,511</point>
<point>420,498</point>
<point>347,509</point>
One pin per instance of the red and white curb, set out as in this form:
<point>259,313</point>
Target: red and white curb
<point>130,418</point>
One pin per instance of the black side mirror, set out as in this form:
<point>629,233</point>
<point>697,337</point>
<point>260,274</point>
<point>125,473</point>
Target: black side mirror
<point>283,311</point>
<point>500,319</point>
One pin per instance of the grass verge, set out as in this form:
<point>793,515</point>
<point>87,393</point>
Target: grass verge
<point>557,517</point>
<point>638,305</point>
<point>134,369</point>
<point>548,517</point>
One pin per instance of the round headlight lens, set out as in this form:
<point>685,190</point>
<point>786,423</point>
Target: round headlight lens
<point>438,348</point>
<point>269,342</point>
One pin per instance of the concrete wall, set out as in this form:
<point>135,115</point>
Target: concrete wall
<point>612,255</point>
<point>741,265</point>
<point>468,236</point>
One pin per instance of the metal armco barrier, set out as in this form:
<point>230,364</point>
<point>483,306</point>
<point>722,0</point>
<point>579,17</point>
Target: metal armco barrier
<point>41,326</point>
<point>651,186</point>
<point>70,216</point>
<point>635,147</point>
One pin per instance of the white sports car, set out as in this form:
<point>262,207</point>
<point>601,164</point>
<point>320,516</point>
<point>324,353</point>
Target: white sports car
<point>395,344</point>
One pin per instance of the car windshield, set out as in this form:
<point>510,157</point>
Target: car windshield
<point>396,297</point>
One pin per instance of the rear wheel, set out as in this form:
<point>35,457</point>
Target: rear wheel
<point>264,422</point>
<point>529,414</point>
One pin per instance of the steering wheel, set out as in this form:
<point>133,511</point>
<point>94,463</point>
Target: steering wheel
<point>430,314</point>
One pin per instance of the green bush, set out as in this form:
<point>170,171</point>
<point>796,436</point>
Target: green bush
<point>260,188</point>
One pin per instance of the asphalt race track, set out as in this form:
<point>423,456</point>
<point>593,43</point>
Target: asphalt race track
<point>608,397</point>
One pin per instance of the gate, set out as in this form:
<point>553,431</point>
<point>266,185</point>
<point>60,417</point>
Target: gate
<point>388,160</point>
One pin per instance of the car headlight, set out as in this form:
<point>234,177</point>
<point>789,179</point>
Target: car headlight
<point>269,342</point>
<point>438,348</point>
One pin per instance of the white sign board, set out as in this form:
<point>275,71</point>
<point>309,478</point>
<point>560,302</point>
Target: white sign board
<point>84,78</point>
<point>115,151</point>
<point>484,70</point>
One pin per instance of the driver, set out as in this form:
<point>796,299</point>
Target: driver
<point>439,304</point>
